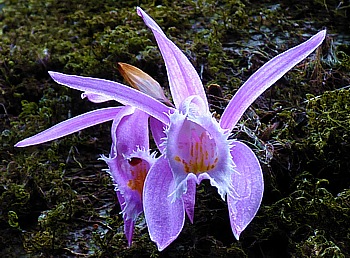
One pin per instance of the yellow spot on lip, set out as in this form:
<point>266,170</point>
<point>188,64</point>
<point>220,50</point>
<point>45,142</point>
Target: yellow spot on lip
<point>202,155</point>
<point>138,170</point>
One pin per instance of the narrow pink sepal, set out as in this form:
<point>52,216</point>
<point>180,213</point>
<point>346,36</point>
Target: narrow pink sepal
<point>116,91</point>
<point>248,185</point>
<point>263,78</point>
<point>129,226</point>
<point>157,129</point>
<point>189,198</point>
<point>71,125</point>
<point>183,78</point>
<point>165,219</point>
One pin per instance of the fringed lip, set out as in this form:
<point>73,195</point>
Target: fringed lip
<point>197,145</point>
<point>129,163</point>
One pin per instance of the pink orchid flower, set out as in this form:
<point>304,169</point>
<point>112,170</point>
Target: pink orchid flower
<point>130,159</point>
<point>129,162</point>
<point>193,145</point>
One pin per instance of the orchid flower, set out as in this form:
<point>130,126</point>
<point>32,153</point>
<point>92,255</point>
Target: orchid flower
<point>129,162</point>
<point>194,146</point>
<point>197,147</point>
<point>130,159</point>
<point>128,166</point>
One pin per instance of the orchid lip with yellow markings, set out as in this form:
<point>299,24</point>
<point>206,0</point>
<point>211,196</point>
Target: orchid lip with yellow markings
<point>202,155</point>
<point>138,170</point>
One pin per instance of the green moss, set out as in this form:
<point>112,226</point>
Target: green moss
<point>328,141</point>
<point>318,245</point>
<point>13,219</point>
<point>55,200</point>
<point>329,119</point>
<point>39,241</point>
<point>344,57</point>
<point>15,200</point>
<point>308,222</point>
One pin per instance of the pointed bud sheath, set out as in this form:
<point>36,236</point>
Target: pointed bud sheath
<point>142,82</point>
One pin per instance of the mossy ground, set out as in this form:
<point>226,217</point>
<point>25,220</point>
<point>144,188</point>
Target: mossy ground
<point>55,200</point>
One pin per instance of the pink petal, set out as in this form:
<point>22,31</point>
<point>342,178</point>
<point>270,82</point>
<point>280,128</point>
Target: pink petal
<point>131,132</point>
<point>165,219</point>
<point>126,111</point>
<point>248,184</point>
<point>263,78</point>
<point>71,126</point>
<point>116,91</point>
<point>183,77</point>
